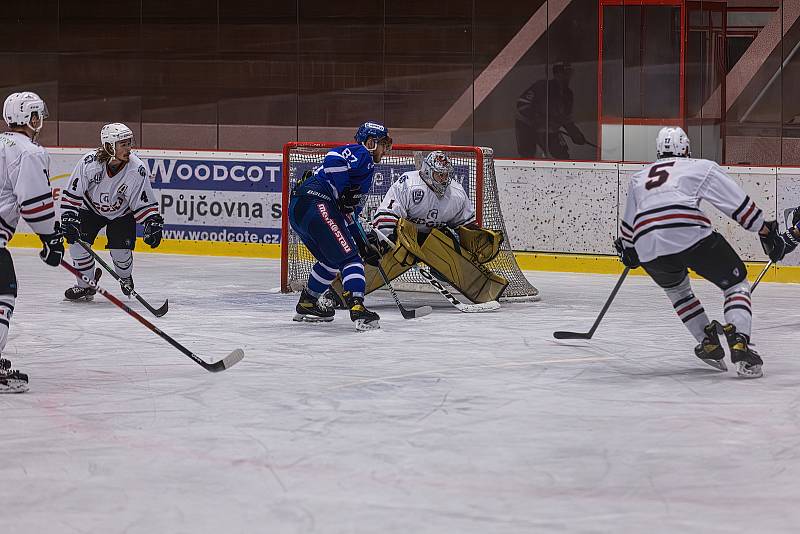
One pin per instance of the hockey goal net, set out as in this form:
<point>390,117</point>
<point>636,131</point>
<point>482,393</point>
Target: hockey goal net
<point>474,169</point>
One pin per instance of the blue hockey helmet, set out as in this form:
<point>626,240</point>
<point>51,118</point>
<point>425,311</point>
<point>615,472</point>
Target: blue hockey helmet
<point>373,129</point>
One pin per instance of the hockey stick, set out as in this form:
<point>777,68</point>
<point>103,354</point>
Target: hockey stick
<point>425,272</point>
<point>760,276</point>
<point>590,333</point>
<point>157,312</point>
<point>406,313</point>
<point>228,361</point>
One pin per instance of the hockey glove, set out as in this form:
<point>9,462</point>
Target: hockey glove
<point>349,199</point>
<point>773,243</point>
<point>370,250</point>
<point>153,230</point>
<point>627,255</point>
<point>71,226</point>
<point>52,247</point>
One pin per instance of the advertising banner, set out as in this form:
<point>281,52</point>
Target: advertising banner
<point>205,196</point>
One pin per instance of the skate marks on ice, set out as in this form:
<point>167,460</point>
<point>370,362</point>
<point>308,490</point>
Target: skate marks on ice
<point>449,423</point>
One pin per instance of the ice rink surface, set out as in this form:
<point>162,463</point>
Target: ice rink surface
<point>452,423</point>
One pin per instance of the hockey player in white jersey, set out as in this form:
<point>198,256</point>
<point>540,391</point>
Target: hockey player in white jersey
<point>110,187</point>
<point>664,231</point>
<point>24,191</point>
<point>427,216</point>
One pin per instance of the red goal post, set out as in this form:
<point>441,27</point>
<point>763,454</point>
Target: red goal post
<point>474,170</point>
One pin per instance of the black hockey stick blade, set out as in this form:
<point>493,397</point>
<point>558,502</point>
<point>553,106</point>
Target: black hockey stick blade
<point>560,334</point>
<point>158,312</point>
<point>228,361</point>
<point>588,335</point>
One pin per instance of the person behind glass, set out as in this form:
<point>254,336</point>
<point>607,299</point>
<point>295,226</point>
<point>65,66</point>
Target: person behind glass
<point>24,191</point>
<point>544,115</point>
<point>109,188</point>
<point>324,210</point>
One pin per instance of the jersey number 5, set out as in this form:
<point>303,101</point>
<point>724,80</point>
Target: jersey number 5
<point>659,175</point>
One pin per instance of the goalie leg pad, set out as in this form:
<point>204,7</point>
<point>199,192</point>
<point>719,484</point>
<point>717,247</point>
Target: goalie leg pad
<point>482,242</point>
<point>472,279</point>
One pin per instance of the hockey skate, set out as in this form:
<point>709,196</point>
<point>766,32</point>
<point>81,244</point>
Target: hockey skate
<point>363,318</point>
<point>126,284</point>
<point>748,362</point>
<point>309,310</point>
<point>332,299</point>
<point>77,293</point>
<point>710,350</point>
<point>11,380</point>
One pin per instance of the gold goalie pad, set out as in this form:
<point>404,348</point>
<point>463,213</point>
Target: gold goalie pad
<point>461,269</point>
<point>482,242</point>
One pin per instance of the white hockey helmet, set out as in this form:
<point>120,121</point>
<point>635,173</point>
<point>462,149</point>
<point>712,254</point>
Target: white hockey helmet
<point>672,142</point>
<point>111,133</point>
<point>437,171</point>
<point>20,107</point>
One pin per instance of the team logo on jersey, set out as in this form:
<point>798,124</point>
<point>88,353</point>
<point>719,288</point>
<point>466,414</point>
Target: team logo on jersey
<point>142,171</point>
<point>96,179</point>
<point>417,195</point>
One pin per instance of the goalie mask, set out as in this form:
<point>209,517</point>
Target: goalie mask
<point>436,172</point>
<point>111,133</point>
<point>18,109</point>
<point>671,143</point>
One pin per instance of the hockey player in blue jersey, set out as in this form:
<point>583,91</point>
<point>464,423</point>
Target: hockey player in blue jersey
<point>324,210</point>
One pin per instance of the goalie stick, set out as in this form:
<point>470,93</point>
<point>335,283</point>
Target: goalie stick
<point>588,335</point>
<point>157,312</point>
<point>425,272</point>
<point>228,361</point>
<point>405,312</point>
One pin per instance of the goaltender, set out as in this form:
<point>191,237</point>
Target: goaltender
<point>427,217</point>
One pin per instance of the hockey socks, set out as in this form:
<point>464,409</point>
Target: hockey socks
<point>320,279</point>
<point>737,308</point>
<point>688,308</point>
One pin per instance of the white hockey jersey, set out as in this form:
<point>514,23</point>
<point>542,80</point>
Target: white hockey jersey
<point>24,186</point>
<point>411,198</point>
<point>662,214</point>
<point>91,187</point>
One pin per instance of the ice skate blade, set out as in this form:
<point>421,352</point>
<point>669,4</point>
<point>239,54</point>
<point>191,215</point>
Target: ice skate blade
<point>716,364</point>
<point>13,385</point>
<point>363,325</point>
<point>87,298</point>
<point>300,318</point>
<point>753,371</point>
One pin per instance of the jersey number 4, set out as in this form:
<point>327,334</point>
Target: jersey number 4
<point>658,175</point>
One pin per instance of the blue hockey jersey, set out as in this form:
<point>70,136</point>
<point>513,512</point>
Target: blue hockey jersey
<point>344,167</point>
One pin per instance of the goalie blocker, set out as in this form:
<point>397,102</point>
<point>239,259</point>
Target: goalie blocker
<point>459,260</point>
